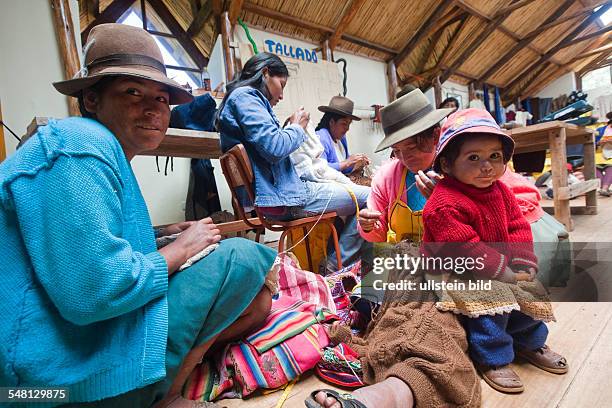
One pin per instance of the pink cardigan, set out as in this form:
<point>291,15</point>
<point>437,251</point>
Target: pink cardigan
<point>386,182</point>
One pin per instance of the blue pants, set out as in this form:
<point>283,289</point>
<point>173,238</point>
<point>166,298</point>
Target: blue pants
<point>492,339</point>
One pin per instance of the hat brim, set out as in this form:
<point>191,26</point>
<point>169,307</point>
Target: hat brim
<point>73,87</point>
<point>427,121</point>
<point>325,108</point>
<point>477,129</point>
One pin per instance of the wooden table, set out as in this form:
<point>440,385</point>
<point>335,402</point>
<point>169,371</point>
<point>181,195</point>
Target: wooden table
<point>177,143</point>
<point>556,136</point>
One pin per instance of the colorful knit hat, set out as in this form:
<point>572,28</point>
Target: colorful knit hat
<point>471,120</point>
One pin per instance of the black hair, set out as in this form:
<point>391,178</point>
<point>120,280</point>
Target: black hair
<point>452,149</point>
<point>327,117</point>
<point>98,87</point>
<point>405,90</point>
<point>252,75</point>
<point>449,99</point>
<point>609,117</point>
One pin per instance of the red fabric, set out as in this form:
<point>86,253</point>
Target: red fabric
<point>307,286</point>
<point>526,193</point>
<point>457,212</point>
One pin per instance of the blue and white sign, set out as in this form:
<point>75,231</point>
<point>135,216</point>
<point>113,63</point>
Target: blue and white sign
<point>284,50</point>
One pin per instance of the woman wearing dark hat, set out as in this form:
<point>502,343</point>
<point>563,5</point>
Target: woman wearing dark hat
<point>89,303</point>
<point>332,130</point>
<point>246,117</point>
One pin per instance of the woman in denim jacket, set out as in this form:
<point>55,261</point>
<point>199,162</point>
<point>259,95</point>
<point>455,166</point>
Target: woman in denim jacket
<point>246,116</point>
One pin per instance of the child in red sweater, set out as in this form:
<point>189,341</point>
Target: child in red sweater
<point>470,207</point>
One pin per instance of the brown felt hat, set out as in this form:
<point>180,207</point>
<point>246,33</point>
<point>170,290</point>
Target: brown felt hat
<point>408,116</point>
<point>341,106</point>
<point>122,50</point>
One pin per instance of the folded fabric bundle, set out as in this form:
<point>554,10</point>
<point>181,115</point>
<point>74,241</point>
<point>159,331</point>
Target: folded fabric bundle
<point>245,367</point>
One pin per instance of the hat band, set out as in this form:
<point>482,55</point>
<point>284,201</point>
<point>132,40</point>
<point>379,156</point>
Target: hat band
<point>408,120</point>
<point>128,59</point>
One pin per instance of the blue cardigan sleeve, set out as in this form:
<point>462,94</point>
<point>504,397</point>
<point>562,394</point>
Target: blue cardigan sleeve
<point>261,130</point>
<point>71,219</point>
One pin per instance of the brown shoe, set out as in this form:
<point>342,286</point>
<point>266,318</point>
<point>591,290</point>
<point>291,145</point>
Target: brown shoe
<point>546,359</point>
<point>503,379</point>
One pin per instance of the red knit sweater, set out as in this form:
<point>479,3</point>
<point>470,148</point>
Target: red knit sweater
<point>487,221</point>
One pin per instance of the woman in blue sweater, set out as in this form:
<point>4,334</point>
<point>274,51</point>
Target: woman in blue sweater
<point>88,302</point>
<point>246,117</point>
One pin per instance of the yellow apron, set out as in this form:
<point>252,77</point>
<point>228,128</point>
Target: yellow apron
<point>402,222</point>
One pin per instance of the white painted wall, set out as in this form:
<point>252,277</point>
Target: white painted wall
<point>562,85</point>
<point>366,86</point>
<point>29,62</point>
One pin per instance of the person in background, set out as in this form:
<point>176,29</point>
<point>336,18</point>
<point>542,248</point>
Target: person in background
<point>604,160</point>
<point>332,130</point>
<point>246,116</point>
<point>88,301</point>
<point>451,103</point>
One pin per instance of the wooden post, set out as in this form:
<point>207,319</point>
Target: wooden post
<point>392,80</point>
<point>326,51</point>
<point>556,140</point>
<point>471,92</point>
<point>437,86</point>
<point>578,78</point>
<point>226,40</point>
<point>2,145</point>
<point>589,174</point>
<point>64,31</point>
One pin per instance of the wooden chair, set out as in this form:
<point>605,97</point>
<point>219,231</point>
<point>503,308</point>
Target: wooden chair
<point>239,174</point>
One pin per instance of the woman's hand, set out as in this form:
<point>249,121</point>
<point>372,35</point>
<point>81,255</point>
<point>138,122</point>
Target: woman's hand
<point>175,228</point>
<point>356,161</point>
<point>426,182</point>
<point>193,239</point>
<point>368,219</point>
<point>300,117</point>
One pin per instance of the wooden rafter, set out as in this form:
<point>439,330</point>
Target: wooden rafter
<point>452,16</point>
<point>110,15</point>
<point>195,7</point>
<point>477,13</point>
<point>492,26</point>
<point>593,64</point>
<point>450,45</point>
<point>200,19</point>
<point>66,40</point>
<point>569,37</point>
<point>346,19</point>
<point>534,77</point>
<point>234,10</point>
<point>422,31</point>
<point>588,54</point>
<point>599,33</point>
<point>94,7</point>
<point>175,28</point>
<point>561,20</point>
<point>284,18</point>
<point>432,46</point>
<point>524,42</point>
<point>513,7</point>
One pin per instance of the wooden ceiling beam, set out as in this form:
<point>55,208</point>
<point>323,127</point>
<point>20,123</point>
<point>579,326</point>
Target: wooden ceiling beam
<point>284,18</point>
<point>198,22</point>
<point>569,37</point>
<point>560,20</point>
<point>432,46</point>
<point>467,52</point>
<point>523,43</point>
<point>110,15</point>
<point>346,19</point>
<point>600,33</point>
<point>513,7</point>
<point>422,31</point>
<point>234,10</point>
<point>93,6</point>
<point>477,13</point>
<point>175,28</point>
<point>593,64</point>
<point>454,14</point>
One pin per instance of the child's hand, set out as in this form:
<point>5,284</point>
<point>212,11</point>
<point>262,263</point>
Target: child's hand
<point>526,275</point>
<point>507,276</point>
